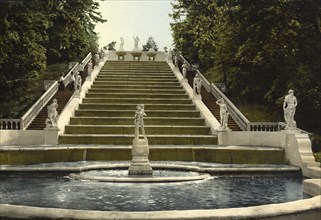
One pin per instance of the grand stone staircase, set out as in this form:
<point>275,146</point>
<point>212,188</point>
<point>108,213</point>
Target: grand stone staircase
<point>106,115</point>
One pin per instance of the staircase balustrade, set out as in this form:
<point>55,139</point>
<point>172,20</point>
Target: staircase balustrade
<point>239,118</point>
<point>10,124</point>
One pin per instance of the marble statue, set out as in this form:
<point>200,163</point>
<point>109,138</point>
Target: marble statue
<point>139,120</point>
<point>52,114</point>
<point>223,113</point>
<point>101,53</point>
<point>176,59</point>
<point>96,57</point>
<point>121,47</point>
<point>184,69</point>
<point>289,107</point>
<point>89,68</point>
<point>77,82</point>
<point>136,41</point>
<point>197,85</point>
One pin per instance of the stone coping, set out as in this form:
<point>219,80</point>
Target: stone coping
<point>300,209</point>
<point>71,146</point>
<point>168,166</point>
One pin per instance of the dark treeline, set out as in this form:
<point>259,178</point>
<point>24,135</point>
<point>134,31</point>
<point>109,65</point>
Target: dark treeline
<point>37,33</point>
<point>260,48</point>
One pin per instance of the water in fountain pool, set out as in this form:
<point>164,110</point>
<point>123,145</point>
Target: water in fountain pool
<point>219,192</point>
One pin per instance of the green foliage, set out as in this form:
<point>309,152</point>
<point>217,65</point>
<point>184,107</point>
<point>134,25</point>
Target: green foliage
<point>150,44</point>
<point>111,46</point>
<point>36,33</point>
<point>260,49</point>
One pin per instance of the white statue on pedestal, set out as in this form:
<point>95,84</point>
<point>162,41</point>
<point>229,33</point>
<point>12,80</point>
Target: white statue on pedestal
<point>197,85</point>
<point>121,47</point>
<point>53,116</point>
<point>136,41</point>
<point>139,121</point>
<point>184,69</point>
<point>77,82</point>
<point>223,113</point>
<point>89,68</point>
<point>96,57</point>
<point>289,107</point>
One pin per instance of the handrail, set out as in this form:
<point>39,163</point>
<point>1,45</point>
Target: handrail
<point>27,118</point>
<point>67,79</point>
<point>86,59</point>
<point>239,118</point>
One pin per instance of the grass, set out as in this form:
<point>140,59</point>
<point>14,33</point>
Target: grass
<point>317,156</point>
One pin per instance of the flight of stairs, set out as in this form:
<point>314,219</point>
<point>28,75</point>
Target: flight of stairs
<point>62,99</point>
<point>106,115</point>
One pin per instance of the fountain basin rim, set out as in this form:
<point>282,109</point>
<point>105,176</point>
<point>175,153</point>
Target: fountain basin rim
<point>297,209</point>
<point>142,179</point>
<point>168,166</point>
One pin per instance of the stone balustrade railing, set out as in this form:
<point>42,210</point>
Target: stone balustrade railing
<point>236,114</point>
<point>10,124</point>
<point>239,118</point>
<point>28,117</point>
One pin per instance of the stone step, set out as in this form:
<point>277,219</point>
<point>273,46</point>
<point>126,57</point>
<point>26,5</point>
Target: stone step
<point>117,106</point>
<point>137,70</point>
<point>137,73</point>
<point>135,83</point>
<point>155,121</point>
<point>131,76</point>
<point>142,90</point>
<point>127,86</point>
<point>127,80</point>
<point>137,100</point>
<point>129,129</point>
<point>136,95</point>
<point>129,113</point>
<point>128,139</point>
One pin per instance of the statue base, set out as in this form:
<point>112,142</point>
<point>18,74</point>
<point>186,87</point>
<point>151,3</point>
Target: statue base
<point>184,80</point>
<point>121,55</point>
<point>197,97</point>
<point>136,53</point>
<point>140,163</point>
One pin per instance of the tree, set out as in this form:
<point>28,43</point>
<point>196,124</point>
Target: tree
<point>259,48</point>
<point>36,33</point>
<point>150,44</point>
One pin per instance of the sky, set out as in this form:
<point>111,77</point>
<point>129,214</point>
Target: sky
<point>131,18</point>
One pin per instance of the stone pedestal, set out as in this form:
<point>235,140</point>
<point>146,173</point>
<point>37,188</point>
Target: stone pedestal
<point>184,80</point>
<point>136,53</point>
<point>51,135</point>
<point>197,97</point>
<point>140,163</point>
<point>223,136</point>
<point>121,55</point>
<point>76,94</point>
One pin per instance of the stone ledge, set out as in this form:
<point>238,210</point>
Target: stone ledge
<point>296,210</point>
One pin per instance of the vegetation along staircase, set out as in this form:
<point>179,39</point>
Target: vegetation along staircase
<point>106,115</point>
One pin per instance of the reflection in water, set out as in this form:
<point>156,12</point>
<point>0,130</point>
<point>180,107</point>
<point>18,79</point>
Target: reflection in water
<point>220,192</point>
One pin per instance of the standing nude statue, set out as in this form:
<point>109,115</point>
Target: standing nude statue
<point>77,82</point>
<point>136,40</point>
<point>184,69</point>
<point>139,121</point>
<point>121,47</point>
<point>197,85</point>
<point>53,116</point>
<point>223,113</point>
<point>289,107</point>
